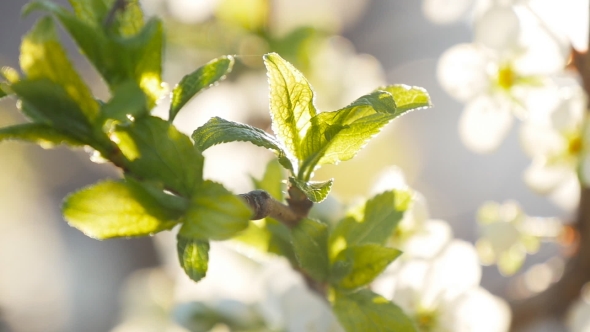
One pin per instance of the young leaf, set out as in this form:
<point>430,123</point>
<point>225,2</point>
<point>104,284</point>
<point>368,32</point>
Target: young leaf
<point>118,58</point>
<point>367,311</point>
<point>315,191</point>
<point>375,224</point>
<point>272,180</point>
<point>42,57</point>
<point>291,103</point>
<point>408,98</point>
<point>193,83</point>
<point>47,102</point>
<point>215,213</point>
<point>117,209</point>
<point>310,241</point>
<point>157,151</point>
<point>339,136</point>
<point>366,263</point>
<point>38,133</point>
<point>193,255</point>
<point>218,130</point>
<point>90,11</point>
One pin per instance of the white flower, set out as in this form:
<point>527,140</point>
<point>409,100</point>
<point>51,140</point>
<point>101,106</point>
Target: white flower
<point>556,144</point>
<point>578,316</point>
<point>442,294</point>
<point>508,65</point>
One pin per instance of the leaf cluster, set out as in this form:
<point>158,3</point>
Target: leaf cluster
<point>163,185</point>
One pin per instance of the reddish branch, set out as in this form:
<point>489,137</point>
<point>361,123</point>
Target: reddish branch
<point>556,300</point>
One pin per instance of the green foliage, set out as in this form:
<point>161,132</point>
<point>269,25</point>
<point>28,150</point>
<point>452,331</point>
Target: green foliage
<point>163,183</point>
<point>200,79</point>
<point>214,213</point>
<point>193,255</point>
<point>372,223</point>
<point>42,134</point>
<point>156,150</point>
<point>362,264</point>
<point>112,209</point>
<point>218,130</point>
<point>367,311</point>
<point>310,241</point>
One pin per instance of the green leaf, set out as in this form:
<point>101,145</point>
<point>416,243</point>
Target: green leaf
<point>117,58</point>
<point>291,103</point>
<point>339,136</point>
<point>315,191</point>
<point>128,100</point>
<point>215,213</point>
<point>365,263</point>
<point>310,241</point>
<point>47,102</point>
<point>112,209</point>
<point>367,311</point>
<point>202,78</point>
<point>157,151</point>
<point>91,11</point>
<point>408,98</point>
<point>218,130</point>
<point>38,133</point>
<point>374,223</point>
<point>42,57</point>
<point>193,255</point>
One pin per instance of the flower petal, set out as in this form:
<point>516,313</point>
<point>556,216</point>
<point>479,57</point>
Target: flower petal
<point>498,28</point>
<point>544,178</point>
<point>477,310</point>
<point>484,123</point>
<point>462,71</point>
<point>445,11</point>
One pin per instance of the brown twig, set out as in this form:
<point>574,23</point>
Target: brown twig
<point>263,205</point>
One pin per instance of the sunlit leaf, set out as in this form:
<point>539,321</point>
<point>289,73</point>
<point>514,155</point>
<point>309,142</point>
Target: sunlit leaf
<point>202,78</point>
<point>291,103</point>
<point>42,57</point>
<point>408,98</point>
<point>338,136</point>
<point>249,14</point>
<point>215,213</point>
<point>367,311</point>
<point>375,223</point>
<point>218,130</point>
<point>117,209</point>
<point>158,151</point>
<point>315,191</point>
<point>193,255</point>
<point>365,263</point>
<point>38,133</point>
<point>310,241</point>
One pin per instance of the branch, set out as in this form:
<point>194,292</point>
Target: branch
<point>264,205</point>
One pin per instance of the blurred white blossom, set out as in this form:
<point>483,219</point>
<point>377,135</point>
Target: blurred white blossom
<point>510,63</point>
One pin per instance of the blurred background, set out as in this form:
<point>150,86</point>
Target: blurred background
<point>53,278</point>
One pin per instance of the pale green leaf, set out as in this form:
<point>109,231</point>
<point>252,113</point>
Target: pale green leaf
<point>117,209</point>
<point>272,180</point>
<point>38,133</point>
<point>408,98</point>
<point>215,213</point>
<point>202,78</point>
<point>310,241</point>
<point>365,263</point>
<point>157,151</point>
<point>42,57</point>
<point>193,255</point>
<point>218,130</point>
<point>291,103</point>
<point>315,191</point>
<point>375,223</point>
<point>367,311</point>
<point>338,136</point>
